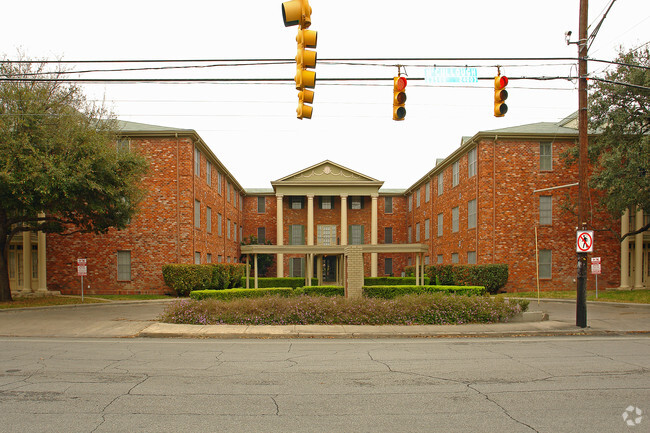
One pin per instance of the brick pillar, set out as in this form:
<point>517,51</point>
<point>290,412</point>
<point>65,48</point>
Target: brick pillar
<point>354,284</point>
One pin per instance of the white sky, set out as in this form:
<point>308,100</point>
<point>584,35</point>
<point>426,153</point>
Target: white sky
<point>253,129</point>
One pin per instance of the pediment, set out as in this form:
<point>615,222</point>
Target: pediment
<point>326,172</point>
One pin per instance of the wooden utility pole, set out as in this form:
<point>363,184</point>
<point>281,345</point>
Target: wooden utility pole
<point>581,301</point>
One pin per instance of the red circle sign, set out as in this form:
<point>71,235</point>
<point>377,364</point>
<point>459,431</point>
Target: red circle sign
<point>585,242</point>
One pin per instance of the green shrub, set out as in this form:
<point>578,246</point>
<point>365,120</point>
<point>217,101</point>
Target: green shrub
<point>390,292</point>
<point>227,294</point>
<point>393,281</point>
<point>321,291</point>
<point>494,276</point>
<point>279,282</point>
<point>227,275</point>
<point>186,278</point>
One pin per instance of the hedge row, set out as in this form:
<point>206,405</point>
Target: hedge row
<point>292,282</point>
<point>393,281</point>
<point>493,277</point>
<point>390,292</point>
<point>228,294</point>
<point>321,291</point>
<point>187,278</point>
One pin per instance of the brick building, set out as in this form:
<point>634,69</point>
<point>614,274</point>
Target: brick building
<point>504,196</point>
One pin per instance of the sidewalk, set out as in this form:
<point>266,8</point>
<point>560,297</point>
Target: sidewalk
<point>140,319</point>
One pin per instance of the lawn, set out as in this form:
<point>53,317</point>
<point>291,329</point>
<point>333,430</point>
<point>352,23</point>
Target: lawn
<point>48,301</point>
<point>632,296</point>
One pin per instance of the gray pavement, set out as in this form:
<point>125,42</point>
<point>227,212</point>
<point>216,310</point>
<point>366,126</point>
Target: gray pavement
<point>140,319</point>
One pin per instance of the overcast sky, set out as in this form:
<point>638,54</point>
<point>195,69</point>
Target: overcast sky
<point>253,128</point>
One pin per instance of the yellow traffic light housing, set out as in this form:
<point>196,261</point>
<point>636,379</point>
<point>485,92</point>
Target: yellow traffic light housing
<point>399,98</point>
<point>500,95</point>
<point>296,12</point>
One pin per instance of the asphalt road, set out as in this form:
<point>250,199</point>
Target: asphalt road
<point>533,384</point>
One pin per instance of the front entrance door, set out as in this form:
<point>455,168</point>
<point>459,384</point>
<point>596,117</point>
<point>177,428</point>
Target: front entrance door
<point>329,269</point>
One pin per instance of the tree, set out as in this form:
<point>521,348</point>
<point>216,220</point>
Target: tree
<point>620,115</point>
<point>60,170</point>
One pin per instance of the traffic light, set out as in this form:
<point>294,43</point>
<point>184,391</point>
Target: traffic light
<point>399,98</point>
<point>298,12</point>
<point>500,95</point>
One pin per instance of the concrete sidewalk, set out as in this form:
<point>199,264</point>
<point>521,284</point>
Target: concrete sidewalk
<point>140,319</point>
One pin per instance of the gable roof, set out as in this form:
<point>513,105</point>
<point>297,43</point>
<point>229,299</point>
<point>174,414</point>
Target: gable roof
<point>327,172</point>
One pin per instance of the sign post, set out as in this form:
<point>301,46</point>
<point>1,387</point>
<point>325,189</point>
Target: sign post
<point>595,270</point>
<point>82,271</point>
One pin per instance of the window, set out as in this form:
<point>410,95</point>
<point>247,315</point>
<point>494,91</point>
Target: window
<point>296,202</point>
<point>123,145</point>
<point>439,224</point>
<point>417,198</point>
<point>34,261</point>
<point>410,234</point>
<point>197,214</point>
<point>261,204</point>
<point>356,202</point>
<point>326,234</point>
<point>427,192</point>
<point>471,257</point>
<point>545,156</point>
<point>439,259</point>
<point>296,234</point>
<point>296,266</point>
<point>388,204</point>
<point>454,219</point>
<point>228,228</point>
<point>197,258</point>
<point>228,191</point>
<point>208,220</point>
<point>427,228</point>
<point>455,174</point>
<point>234,232</point>
<point>208,258</point>
<point>197,162</point>
<point>454,258</point>
<point>410,202</point>
<point>261,235</point>
<point>388,235</point>
<point>356,234</point>
<point>219,225</point>
<point>545,210</point>
<point>388,266</point>
<point>471,163</point>
<point>326,202</point>
<point>440,184</point>
<point>124,266</point>
<point>471,214</point>
<point>545,261</point>
<point>417,232</point>
<point>208,172</point>
<point>218,182</point>
<point>426,260</point>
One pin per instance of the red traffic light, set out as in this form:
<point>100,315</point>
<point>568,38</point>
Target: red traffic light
<point>400,83</point>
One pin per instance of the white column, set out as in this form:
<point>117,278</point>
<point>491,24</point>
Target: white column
<point>373,234</point>
<point>42,262</point>
<point>344,219</point>
<point>280,234</point>
<point>255,273</point>
<point>638,251</point>
<point>417,269</point>
<point>310,219</point>
<point>27,261</point>
<point>625,251</point>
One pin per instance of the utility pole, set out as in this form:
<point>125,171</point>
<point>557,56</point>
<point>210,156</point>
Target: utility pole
<point>581,301</point>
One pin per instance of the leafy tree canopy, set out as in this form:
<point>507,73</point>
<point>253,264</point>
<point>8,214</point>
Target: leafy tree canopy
<point>619,112</point>
<point>60,170</point>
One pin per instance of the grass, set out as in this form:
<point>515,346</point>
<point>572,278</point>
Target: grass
<point>423,309</point>
<point>632,296</point>
<point>49,301</point>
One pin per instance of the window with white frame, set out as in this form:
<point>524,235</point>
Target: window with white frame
<point>218,182</point>
<point>234,232</point>
<point>208,219</point>
<point>471,163</point>
<point>455,174</point>
<point>545,264</point>
<point>410,202</point>
<point>471,257</point>
<point>208,173</point>
<point>454,258</point>
<point>545,156</point>
<point>296,202</point>
<point>356,234</point>
<point>427,228</point>
<point>124,266</point>
<point>197,214</point>
<point>417,198</point>
<point>261,204</point>
<point>296,234</point>
<point>441,184</point>
<point>228,228</point>
<point>326,202</point>
<point>440,219</point>
<point>356,202</point>
<point>410,234</point>
<point>455,219</point>
<point>471,214</point>
<point>427,192</point>
<point>219,224</point>
<point>197,162</point>
<point>326,234</point>
<point>296,267</point>
<point>197,258</point>
<point>417,232</point>
<point>545,210</point>
<point>208,258</point>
